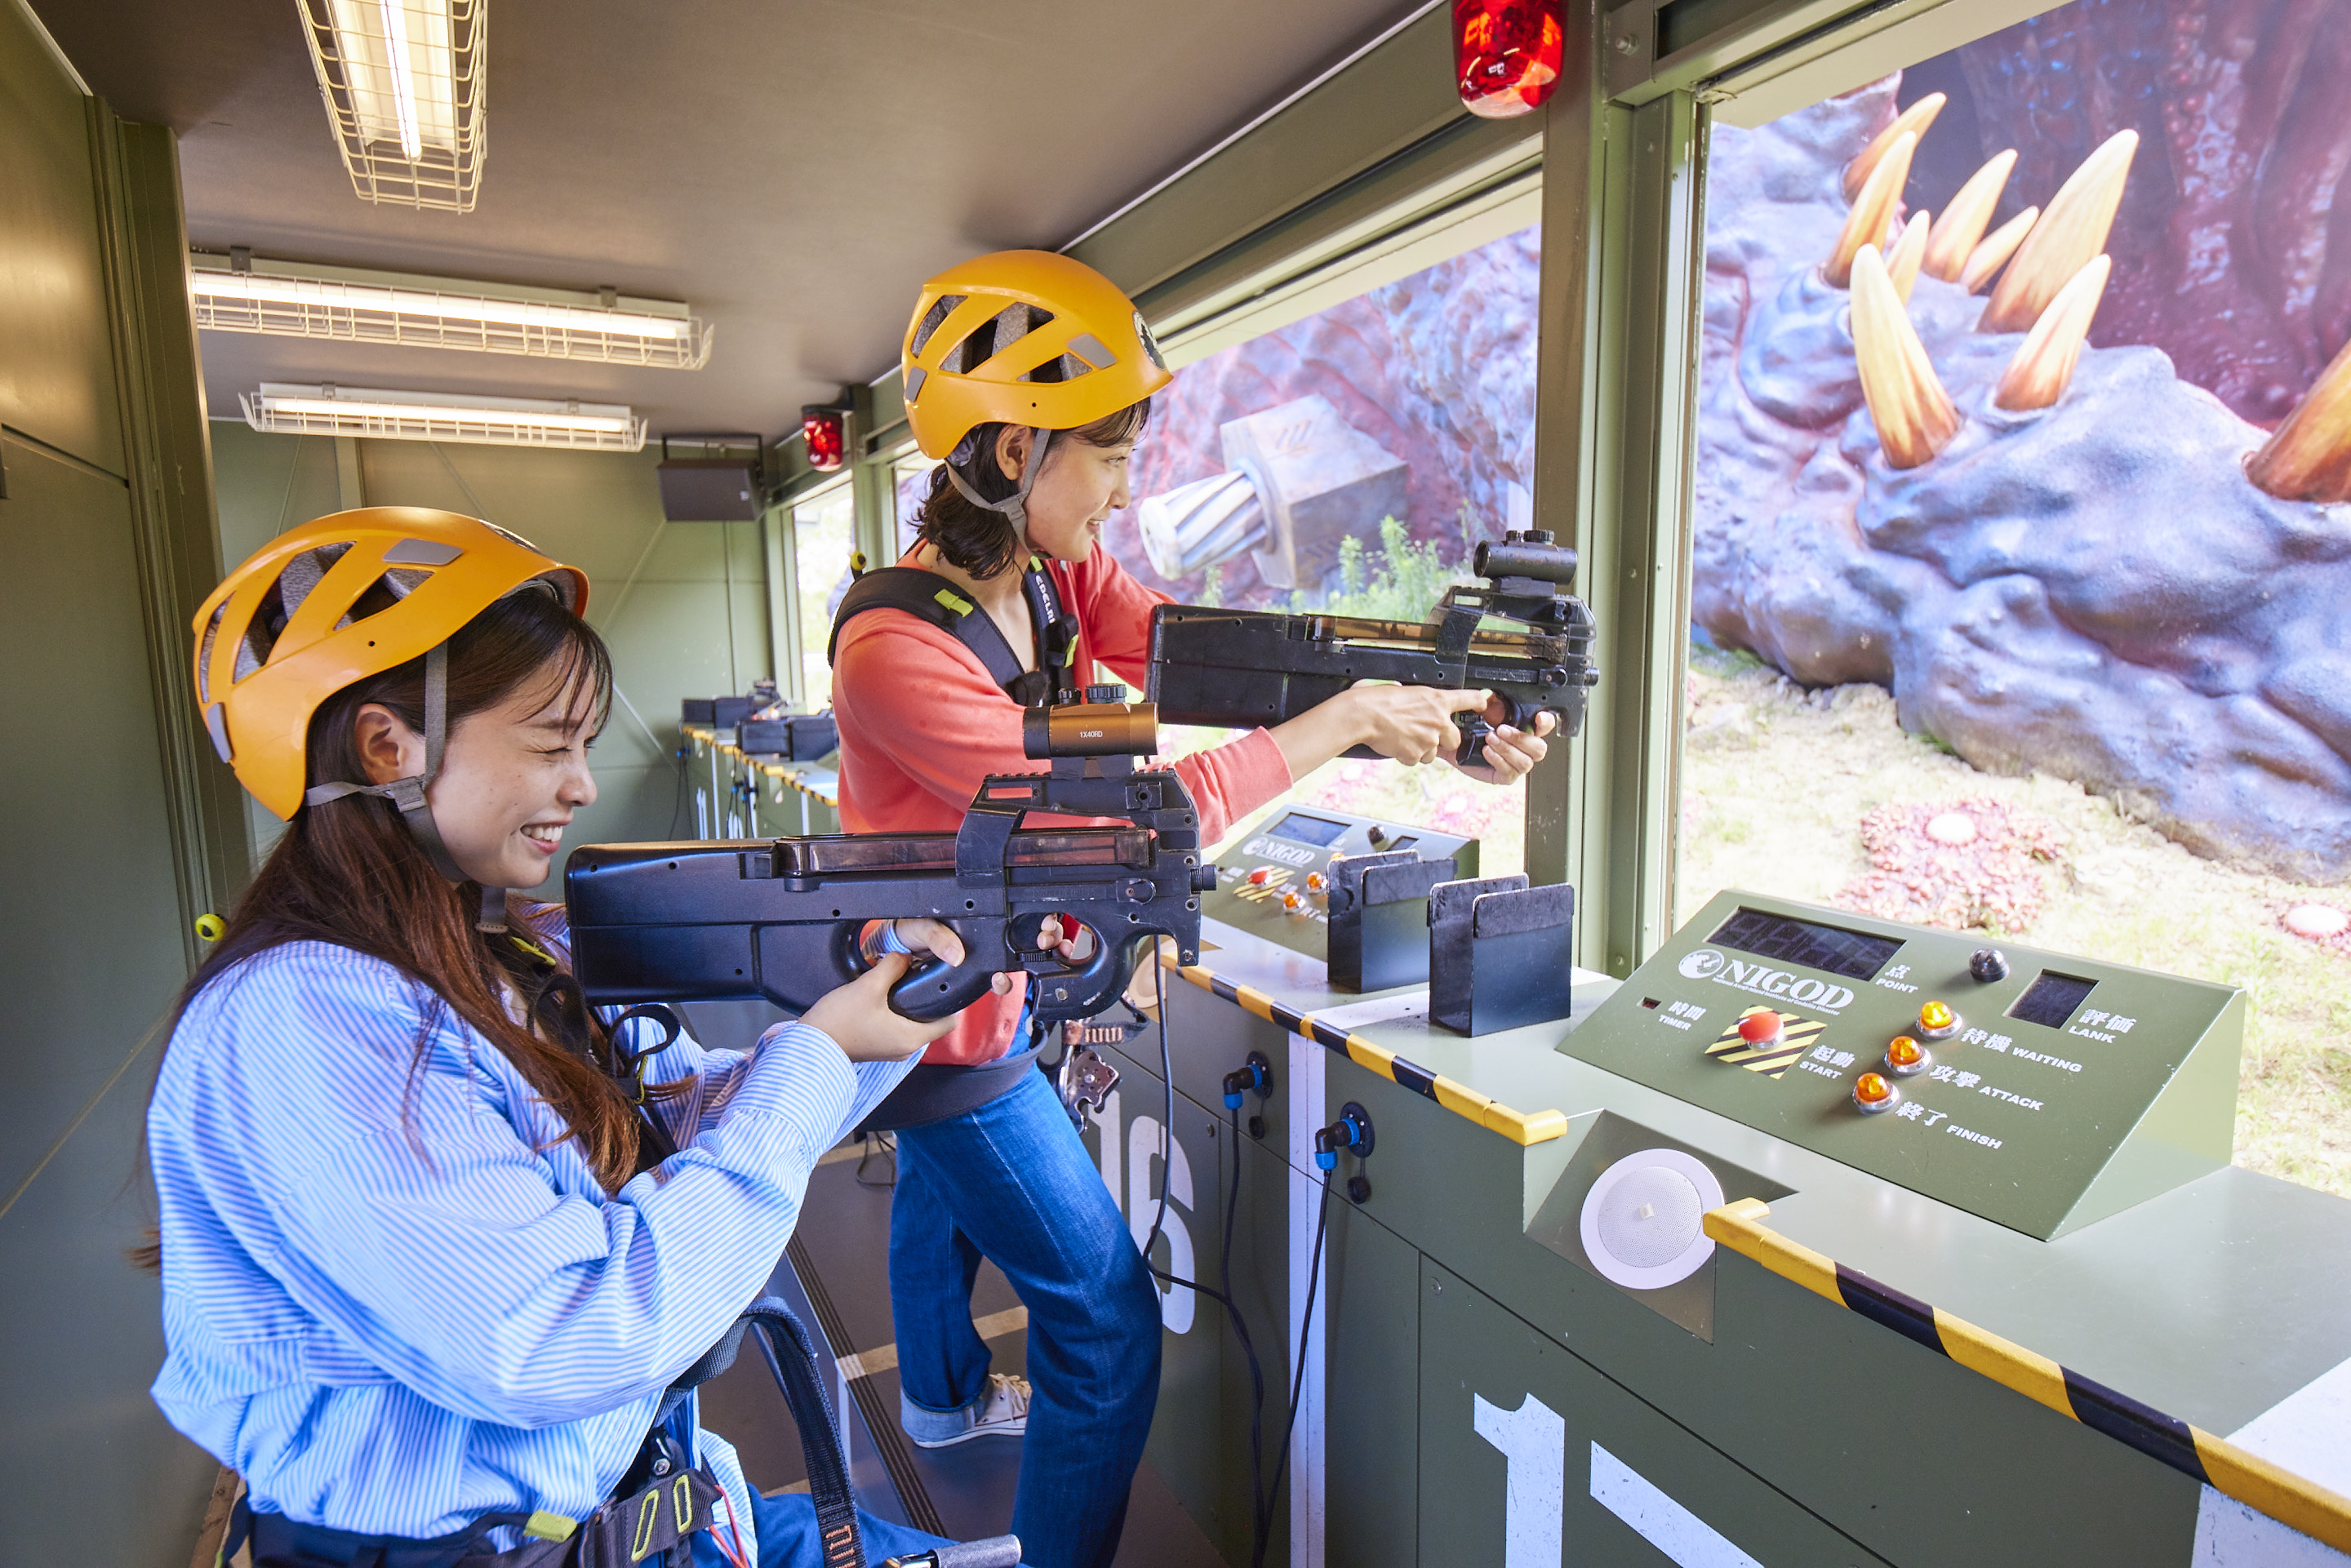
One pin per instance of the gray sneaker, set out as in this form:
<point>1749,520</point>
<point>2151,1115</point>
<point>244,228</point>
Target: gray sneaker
<point>1000,1411</point>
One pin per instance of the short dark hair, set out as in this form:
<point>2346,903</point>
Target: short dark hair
<point>972,538</point>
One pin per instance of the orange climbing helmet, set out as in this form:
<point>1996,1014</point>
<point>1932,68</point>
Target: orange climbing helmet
<point>1024,338</point>
<point>286,631</point>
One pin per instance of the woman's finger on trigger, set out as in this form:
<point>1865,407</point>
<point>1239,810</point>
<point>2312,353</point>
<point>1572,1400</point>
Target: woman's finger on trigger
<point>932,936</point>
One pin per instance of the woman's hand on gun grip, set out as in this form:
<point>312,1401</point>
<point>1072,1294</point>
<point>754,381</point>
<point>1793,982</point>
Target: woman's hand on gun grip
<point>1511,753</point>
<point>936,939</point>
<point>859,1018</point>
<point>1411,724</point>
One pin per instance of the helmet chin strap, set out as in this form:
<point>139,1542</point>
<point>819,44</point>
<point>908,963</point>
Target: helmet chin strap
<point>1014,506</point>
<point>408,794</point>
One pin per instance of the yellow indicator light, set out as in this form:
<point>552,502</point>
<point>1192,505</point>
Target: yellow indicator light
<point>1903,1052</point>
<point>1935,1015</point>
<point>1872,1094</point>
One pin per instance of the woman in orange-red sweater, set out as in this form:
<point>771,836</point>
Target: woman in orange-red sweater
<point>1030,376</point>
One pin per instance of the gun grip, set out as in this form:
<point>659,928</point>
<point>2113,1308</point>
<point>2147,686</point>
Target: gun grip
<point>1474,732</point>
<point>935,989</point>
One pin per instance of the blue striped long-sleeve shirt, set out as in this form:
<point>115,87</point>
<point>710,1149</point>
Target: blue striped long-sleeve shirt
<point>395,1296</point>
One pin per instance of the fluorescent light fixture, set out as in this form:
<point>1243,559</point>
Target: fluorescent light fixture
<point>402,83</point>
<point>293,410</point>
<point>298,300</point>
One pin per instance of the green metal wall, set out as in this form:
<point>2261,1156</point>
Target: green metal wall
<point>666,596</point>
<point>113,834</point>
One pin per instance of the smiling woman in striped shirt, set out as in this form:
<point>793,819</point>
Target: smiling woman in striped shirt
<point>428,1266</point>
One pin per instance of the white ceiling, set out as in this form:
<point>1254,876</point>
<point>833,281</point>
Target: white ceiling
<point>793,170</point>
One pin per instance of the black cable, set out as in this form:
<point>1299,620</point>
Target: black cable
<point>1167,1127</point>
<point>1298,1384</point>
<point>1240,1331</point>
<point>1260,1508</point>
<point>1232,1308</point>
<point>865,1149</point>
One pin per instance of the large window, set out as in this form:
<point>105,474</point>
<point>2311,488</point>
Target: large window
<point>2017,569</point>
<point>1350,461</point>
<point>824,533</point>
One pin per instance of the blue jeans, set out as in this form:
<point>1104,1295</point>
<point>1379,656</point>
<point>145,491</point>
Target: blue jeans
<point>1011,1183</point>
<point>787,1537</point>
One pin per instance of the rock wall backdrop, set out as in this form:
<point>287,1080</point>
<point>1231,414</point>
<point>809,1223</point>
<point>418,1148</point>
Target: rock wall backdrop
<point>2024,395</point>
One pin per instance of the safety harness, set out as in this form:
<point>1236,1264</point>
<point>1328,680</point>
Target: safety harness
<point>929,598</point>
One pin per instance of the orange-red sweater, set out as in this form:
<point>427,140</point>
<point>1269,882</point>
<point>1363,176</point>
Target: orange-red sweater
<point>922,723</point>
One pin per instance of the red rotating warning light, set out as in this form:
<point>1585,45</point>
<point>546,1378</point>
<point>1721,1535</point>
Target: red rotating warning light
<point>827,436</point>
<point>1506,55</point>
<point>1761,1027</point>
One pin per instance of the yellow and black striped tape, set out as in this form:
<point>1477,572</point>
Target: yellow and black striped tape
<point>2284,1496</point>
<point>784,774</point>
<point>1772,1059</point>
<point>1519,1127</point>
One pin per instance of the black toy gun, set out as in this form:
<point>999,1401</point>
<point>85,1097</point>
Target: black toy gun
<point>782,918</point>
<point>1242,668</point>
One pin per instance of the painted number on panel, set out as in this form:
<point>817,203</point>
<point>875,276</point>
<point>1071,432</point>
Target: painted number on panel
<point>1129,1151</point>
<point>1533,1440</point>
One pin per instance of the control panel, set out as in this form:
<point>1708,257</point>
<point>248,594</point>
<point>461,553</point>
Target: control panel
<point>1276,884</point>
<point>2040,1091</point>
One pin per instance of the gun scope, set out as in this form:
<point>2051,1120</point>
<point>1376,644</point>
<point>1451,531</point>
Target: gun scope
<point>1531,554</point>
<point>1091,730</point>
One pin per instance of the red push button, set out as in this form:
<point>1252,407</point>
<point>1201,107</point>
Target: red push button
<point>1761,1027</point>
<point>1260,876</point>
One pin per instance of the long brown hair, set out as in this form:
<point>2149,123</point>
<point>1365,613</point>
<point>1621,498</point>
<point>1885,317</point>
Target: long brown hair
<point>351,874</point>
<point>977,540</point>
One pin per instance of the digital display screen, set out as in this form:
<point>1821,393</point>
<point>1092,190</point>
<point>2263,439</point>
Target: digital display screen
<point>1800,942</point>
<point>2050,1000</point>
<point>1299,828</point>
<point>1403,843</point>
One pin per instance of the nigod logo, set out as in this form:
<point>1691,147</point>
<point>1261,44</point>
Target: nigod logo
<point>1764,981</point>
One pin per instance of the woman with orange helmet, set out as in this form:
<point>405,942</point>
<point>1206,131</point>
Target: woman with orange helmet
<point>435,1237</point>
<point>1027,376</point>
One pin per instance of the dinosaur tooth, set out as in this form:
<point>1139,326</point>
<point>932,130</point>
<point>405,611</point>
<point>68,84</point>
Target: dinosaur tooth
<point>2043,365</point>
<point>1872,210</point>
<point>1995,248</point>
<point>1963,222</point>
<point>1913,121</point>
<point>1902,261</point>
<point>1913,413</point>
<point>2308,458</point>
<point>2072,231</point>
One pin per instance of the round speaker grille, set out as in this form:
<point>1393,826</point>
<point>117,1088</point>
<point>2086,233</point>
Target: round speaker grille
<point>1651,1216</point>
<point>1643,1219</point>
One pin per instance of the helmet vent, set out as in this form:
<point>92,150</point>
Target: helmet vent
<point>204,655</point>
<point>935,317</point>
<point>994,336</point>
<point>1061,368</point>
<point>915,376</point>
